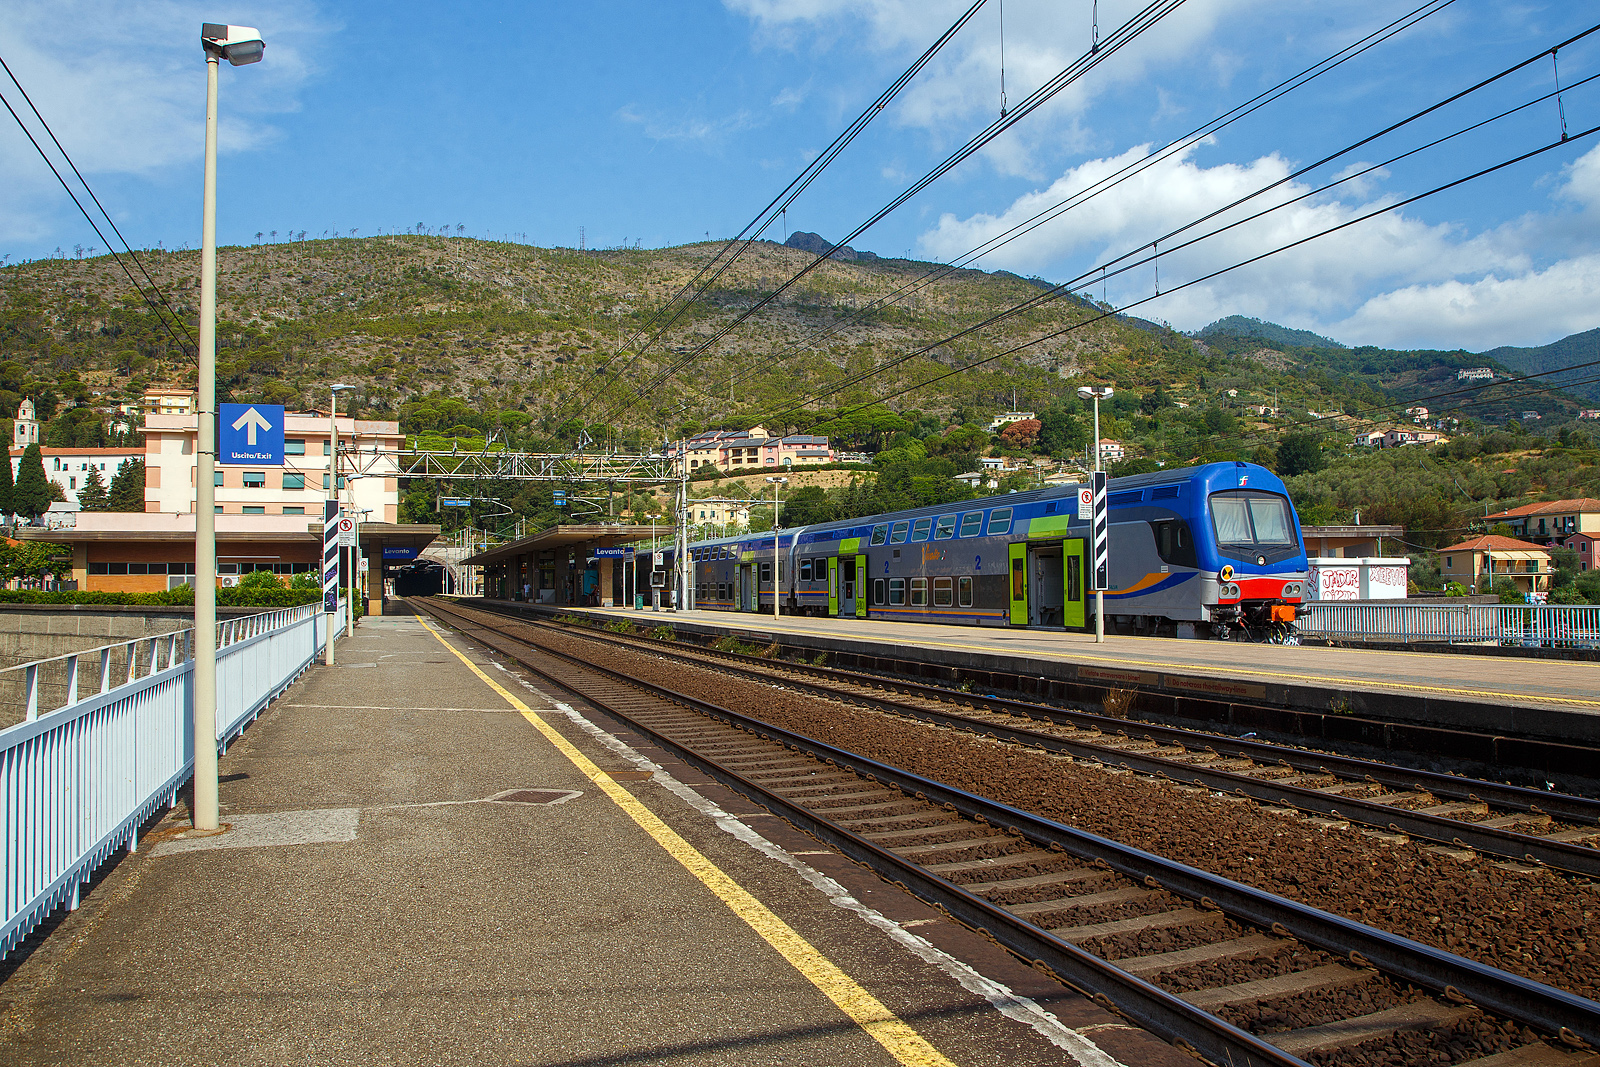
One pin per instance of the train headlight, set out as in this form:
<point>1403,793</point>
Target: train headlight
<point>1229,591</point>
<point>1291,589</point>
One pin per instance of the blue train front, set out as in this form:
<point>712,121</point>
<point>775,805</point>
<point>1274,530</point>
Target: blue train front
<point>1200,551</point>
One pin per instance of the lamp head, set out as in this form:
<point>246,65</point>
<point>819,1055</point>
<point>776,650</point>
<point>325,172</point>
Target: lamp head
<point>1094,392</point>
<point>339,387</point>
<point>237,44</point>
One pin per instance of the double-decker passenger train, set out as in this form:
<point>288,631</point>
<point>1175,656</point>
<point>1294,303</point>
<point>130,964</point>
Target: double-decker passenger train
<point>1201,551</point>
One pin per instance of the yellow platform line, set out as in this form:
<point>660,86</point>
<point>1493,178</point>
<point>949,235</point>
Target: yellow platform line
<point>882,1025</point>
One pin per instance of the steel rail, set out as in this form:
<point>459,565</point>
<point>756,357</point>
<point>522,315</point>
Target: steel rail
<point>1572,1018</point>
<point>1495,841</point>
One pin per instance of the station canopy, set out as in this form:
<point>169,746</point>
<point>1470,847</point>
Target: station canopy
<point>558,537</point>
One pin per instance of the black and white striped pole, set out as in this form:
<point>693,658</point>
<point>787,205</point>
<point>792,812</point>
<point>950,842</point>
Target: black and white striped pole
<point>1100,575</point>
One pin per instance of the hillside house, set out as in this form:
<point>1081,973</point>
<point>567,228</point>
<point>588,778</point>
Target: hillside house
<point>1549,522</point>
<point>735,449</point>
<point>1112,451</point>
<point>1475,374</point>
<point>1418,413</point>
<point>1000,422</point>
<point>1584,546</point>
<point>69,467</point>
<point>1479,562</point>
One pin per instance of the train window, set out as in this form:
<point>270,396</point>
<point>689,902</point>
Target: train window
<point>1174,542</point>
<point>919,531</point>
<point>1123,500</point>
<point>766,573</point>
<point>878,585</point>
<point>897,536</point>
<point>946,528</point>
<point>805,570</point>
<point>1247,518</point>
<point>943,592</point>
<point>972,524</point>
<point>966,592</point>
<point>781,569</point>
<point>919,592</point>
<point>880,534</point>
<point>897,591</point>
<point>999,521</point>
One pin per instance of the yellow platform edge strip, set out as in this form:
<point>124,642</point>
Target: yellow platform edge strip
<point>883,1026</point>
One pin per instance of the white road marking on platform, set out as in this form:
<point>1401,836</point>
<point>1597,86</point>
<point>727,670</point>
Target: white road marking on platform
<point>1000,996</point>
<point>273,830</point>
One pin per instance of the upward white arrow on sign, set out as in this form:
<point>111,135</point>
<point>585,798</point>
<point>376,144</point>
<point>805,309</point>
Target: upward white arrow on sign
<point>251,421</point>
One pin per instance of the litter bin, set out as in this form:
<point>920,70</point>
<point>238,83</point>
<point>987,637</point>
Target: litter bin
<point>638,602</point>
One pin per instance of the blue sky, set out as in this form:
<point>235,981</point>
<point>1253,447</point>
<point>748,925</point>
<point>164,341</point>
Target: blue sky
<point>662,123</point>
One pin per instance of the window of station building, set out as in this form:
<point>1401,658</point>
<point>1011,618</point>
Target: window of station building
<point>919,531</point>
<point>294,446</point>
<point>946,528</point>
<point>880,533</point>
<point>294,481</point>
<point>72,483</point>
<point>897,592</point>
<point>999,521</point>
<point>254,509</point>
<point>327,448</point>
<point>805,570</point>
<point>965,590</point>
<point>255,479</point>
<point>943,592</point>
<point>972,524</point>
<point>325,481</point>
<point>294,511</point>
<point>919,592</point>
<point>897,536</point>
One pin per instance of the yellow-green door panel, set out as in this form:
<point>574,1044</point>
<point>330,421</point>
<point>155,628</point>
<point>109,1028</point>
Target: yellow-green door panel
<point>1072,562</point>
<point>833,585</point>
<point>861,587</point>
<point>1019,583</point>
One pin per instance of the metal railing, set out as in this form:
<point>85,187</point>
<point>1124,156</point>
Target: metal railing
<point>107,739</point>
<point>1548,625</point>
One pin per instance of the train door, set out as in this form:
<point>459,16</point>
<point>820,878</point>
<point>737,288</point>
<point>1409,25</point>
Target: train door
<point>1074,615</point>
<point>833,585</point>
<point>1019,584</point>
<point>1046,603</point>
<point>746,588</point>
<point>861,587</point>
<point>847,585</point>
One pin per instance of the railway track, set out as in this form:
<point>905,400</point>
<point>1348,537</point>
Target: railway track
<point>1231,972</point>
<point>1513,823</point>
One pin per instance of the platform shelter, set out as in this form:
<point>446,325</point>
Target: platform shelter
<point>572,566</point>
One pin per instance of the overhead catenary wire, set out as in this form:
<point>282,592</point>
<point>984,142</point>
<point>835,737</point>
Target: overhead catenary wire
<point>1110,181</point>
<point>1129,263</point>
<point>696,287</point>
<point>192,345</point>
<point>1142,21</point>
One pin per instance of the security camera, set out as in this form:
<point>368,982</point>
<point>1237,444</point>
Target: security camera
<point>237,44</point>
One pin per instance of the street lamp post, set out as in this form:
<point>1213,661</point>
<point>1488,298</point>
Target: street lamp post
<point>777,593</point>
<point>1097,393</point>
<point>238,45</point>
<point>333,486</point>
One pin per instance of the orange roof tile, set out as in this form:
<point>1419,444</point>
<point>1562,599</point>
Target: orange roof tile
<point>1495,543</point>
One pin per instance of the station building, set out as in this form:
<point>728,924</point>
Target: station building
<point>268,518</point>
<point>69,467</point>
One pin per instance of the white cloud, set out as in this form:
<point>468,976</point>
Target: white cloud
<point>689,128</point>
<point>1391,280</point>
<point>128,96</point>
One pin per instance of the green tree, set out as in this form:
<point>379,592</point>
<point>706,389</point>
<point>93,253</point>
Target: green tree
<point>1061,431</point>
<point>31,495</point>
<point>92,496</point>
<point>6,491</point>
<point>1507,591</point>
<point>33,561</point>
<point>1300,453</point>
<point>127,487</point>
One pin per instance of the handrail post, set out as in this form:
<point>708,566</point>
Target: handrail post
<point>72,680</point>
<point>32,681</point>
<point>105,669</point>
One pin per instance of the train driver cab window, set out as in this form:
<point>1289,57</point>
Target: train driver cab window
<point>966,592</point>
<point>919,532</point>
<point>897,536</point>
<point>972,524</point>
<point>805,570</point>
<point>880,534</point>
<point>878,585</point>
<point>999,521</point>
<point>945,529</point>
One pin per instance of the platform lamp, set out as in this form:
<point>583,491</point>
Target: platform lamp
<point>777,594</point>
<point>1097,393</point>
<point>239,45</point>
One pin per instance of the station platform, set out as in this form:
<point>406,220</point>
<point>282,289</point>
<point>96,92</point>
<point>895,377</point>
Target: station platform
<point>428,860</point>
<point>1503,696</point>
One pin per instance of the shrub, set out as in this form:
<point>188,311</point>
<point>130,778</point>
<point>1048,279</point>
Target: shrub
<point>1507,591</point>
